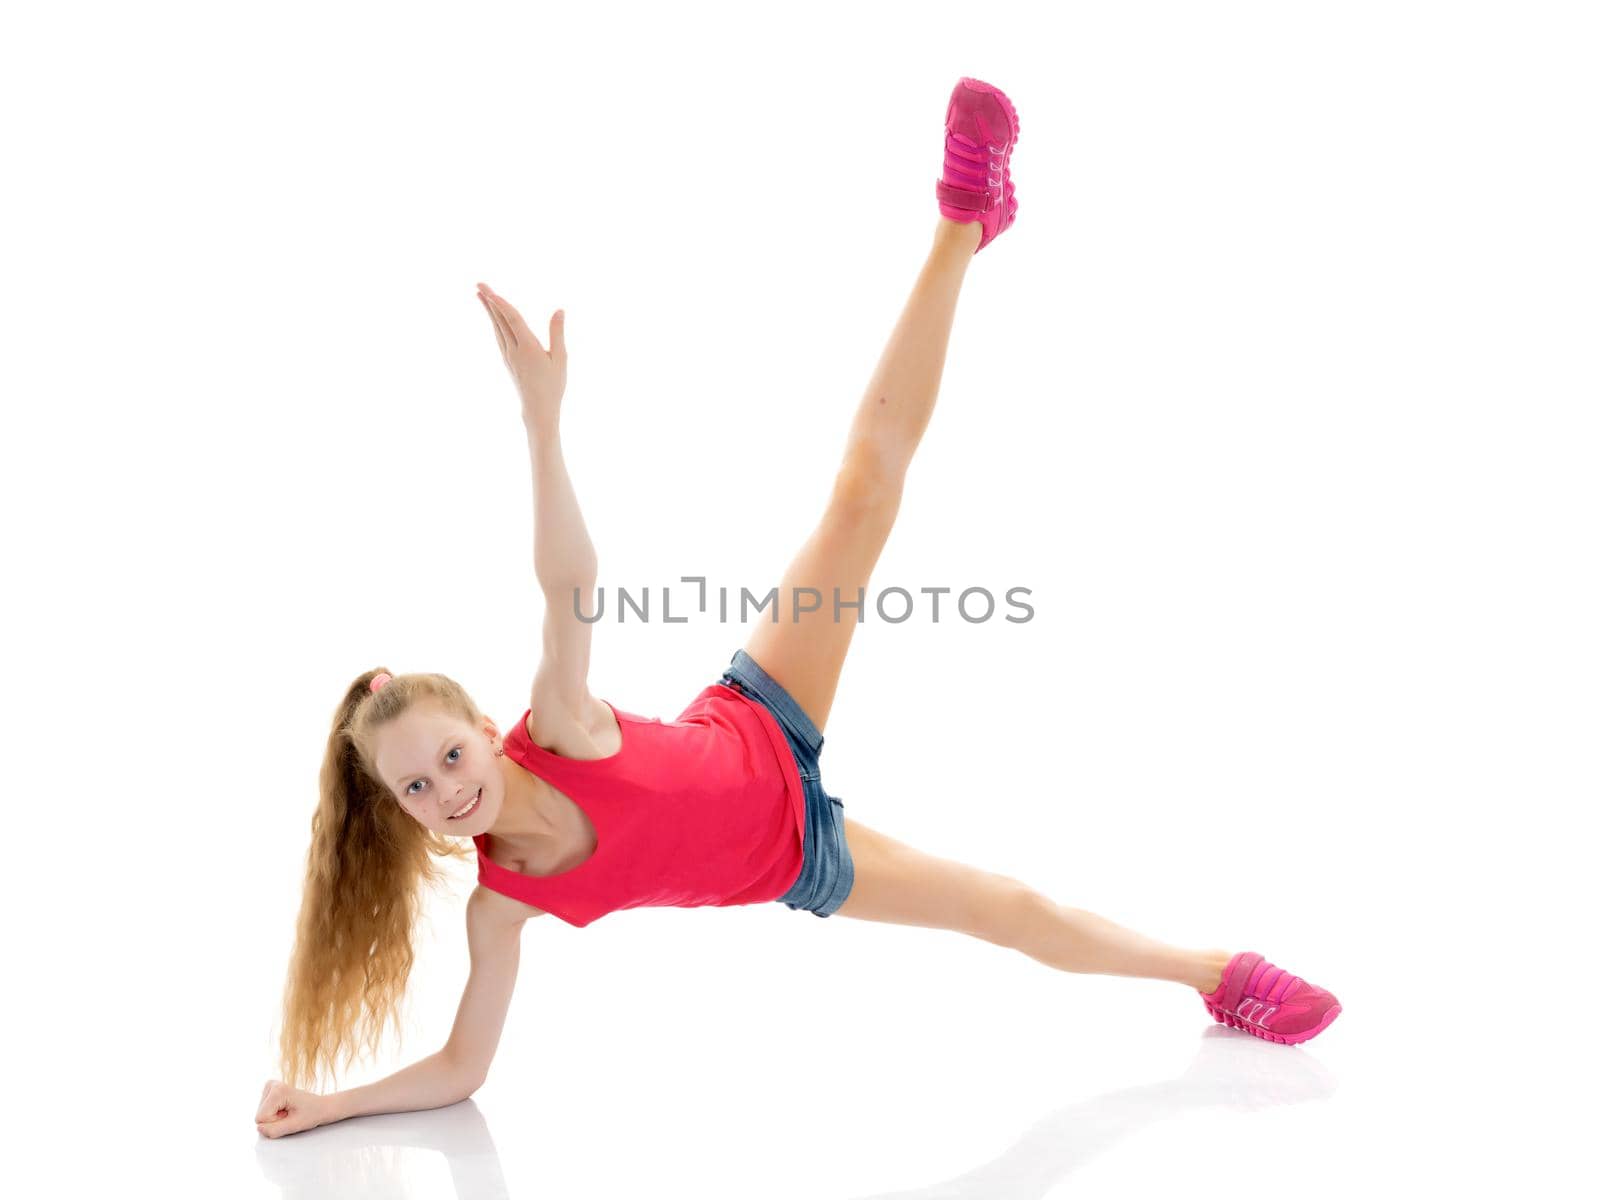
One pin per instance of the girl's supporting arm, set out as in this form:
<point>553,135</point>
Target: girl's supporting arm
<point>431,1082</point>
<point>494,934</point>
<point>434,1082</point>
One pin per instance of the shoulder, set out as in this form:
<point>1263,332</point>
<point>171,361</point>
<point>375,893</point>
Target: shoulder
<point>591,732</point>
<point>487,905</point>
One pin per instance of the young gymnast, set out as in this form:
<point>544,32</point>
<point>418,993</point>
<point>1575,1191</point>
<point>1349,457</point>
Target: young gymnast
<point>581,808</point>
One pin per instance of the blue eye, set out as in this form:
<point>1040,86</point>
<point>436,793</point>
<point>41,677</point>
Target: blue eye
<point>414,782</point>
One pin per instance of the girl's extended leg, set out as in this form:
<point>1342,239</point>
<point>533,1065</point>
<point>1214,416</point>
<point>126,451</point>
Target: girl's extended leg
<point>898,884</point>
<point>805,655</point>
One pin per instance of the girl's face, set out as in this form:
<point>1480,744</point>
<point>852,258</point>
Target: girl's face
<point>444,772</point>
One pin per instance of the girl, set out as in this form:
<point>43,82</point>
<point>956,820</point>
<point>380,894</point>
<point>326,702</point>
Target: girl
<point>581,808</point>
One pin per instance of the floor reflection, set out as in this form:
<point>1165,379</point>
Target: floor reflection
<point>1230,1070</point>
<point>365,1156</point>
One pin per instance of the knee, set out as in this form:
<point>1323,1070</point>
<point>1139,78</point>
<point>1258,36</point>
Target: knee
<point>1015,913</point>
<point>868,482</point>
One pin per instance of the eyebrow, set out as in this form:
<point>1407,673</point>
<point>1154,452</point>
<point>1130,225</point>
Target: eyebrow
<point>437,754</point>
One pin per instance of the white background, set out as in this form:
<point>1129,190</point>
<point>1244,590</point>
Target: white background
<point>1278,396</point>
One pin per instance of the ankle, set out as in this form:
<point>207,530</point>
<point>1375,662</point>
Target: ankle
<point>958,233</point>
<point>1208,967</point>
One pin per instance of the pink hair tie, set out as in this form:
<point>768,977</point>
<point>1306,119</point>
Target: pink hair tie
<point>381,678</point>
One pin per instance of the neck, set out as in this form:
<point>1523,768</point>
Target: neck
<point>525,815</point>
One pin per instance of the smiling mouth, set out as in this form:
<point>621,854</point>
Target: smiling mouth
<point>470,808</point>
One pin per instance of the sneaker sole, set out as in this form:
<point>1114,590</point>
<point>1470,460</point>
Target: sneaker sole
<point>1006,190</point>
<point>979,85</point>
<point>1227,1018</point>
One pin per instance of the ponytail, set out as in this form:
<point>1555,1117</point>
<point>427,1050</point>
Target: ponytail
<point>366,868</point>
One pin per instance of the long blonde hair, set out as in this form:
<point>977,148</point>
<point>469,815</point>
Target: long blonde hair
<point>365,872</point>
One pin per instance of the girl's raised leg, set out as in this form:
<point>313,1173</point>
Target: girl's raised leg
<point>805,651</point>
<point>903,886</point>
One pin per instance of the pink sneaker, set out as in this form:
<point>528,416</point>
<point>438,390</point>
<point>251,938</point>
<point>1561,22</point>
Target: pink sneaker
<point>980,130</point>
<point>1270,1003</point>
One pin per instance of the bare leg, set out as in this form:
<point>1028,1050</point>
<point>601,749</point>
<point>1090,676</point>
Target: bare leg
<point>805,655</point>
<point>904,886</point>
<point>894,410</point>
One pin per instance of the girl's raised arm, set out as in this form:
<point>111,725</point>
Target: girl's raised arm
<point>564,559</point>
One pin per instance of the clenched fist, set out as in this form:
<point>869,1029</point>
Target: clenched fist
<point>285,1109</point>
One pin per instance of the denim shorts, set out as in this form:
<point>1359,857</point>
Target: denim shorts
<point>828,872</point>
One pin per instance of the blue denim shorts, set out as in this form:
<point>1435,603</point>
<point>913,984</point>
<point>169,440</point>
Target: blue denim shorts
<point>828,872</point>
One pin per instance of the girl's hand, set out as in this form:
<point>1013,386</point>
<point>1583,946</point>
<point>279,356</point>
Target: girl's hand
<point>284,1110</point>
<point>540,374</point>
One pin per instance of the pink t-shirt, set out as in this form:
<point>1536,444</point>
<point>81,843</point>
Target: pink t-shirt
<point>706,809</point>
